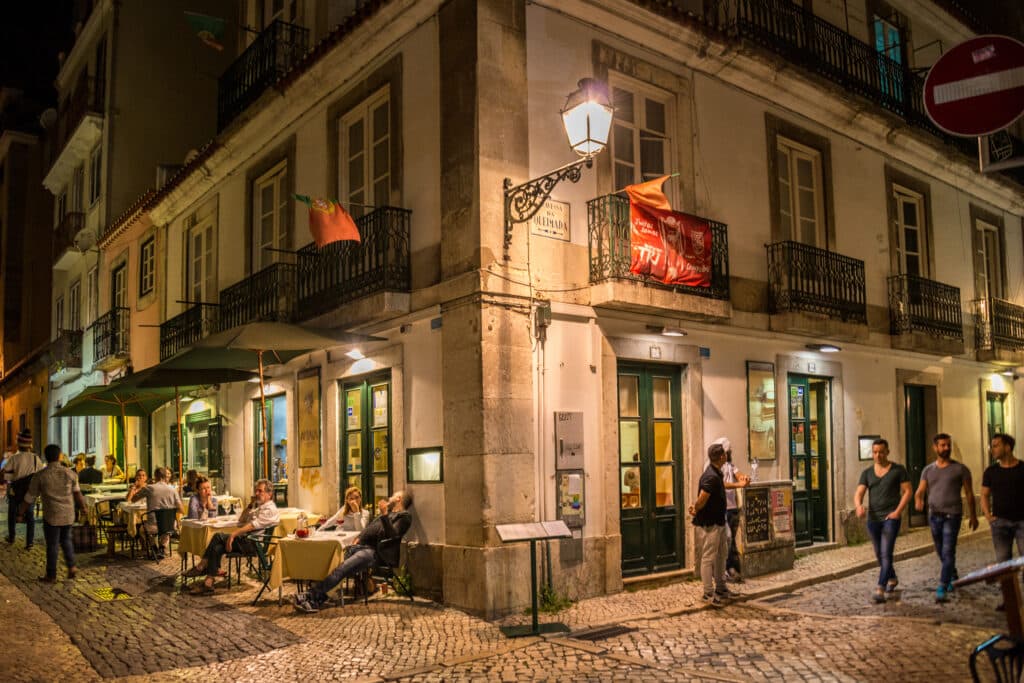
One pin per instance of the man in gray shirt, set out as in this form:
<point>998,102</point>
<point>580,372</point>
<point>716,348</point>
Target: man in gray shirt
<point>942,481</point>
<point>159,495</point>
<point>58,486</point>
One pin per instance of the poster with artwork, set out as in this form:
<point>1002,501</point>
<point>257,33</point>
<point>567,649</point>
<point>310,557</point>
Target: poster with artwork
<point>761,410</point>
<point>308,391</point>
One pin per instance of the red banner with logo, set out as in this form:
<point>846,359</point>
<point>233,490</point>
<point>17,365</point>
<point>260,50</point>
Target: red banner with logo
<point>671,247</point>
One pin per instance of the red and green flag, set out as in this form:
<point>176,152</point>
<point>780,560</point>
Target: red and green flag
<point>329,221</point>
<point>209,29</point>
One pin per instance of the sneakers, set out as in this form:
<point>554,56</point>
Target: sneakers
<point>734,576</point>
<point>726,594</point>
<point>879,596</point>
<point>712,600</point>
<point>940,594</point>
<point>891,584</point>
<point>303,603</point>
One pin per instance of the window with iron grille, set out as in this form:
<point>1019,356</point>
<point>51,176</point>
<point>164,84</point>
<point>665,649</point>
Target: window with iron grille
<point>801,199</point>
<point>364,134</point>
<point>641,138</point>
<point>271,224</point>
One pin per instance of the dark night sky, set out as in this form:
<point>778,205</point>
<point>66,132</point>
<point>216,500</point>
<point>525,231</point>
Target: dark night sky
<point>31,35</point>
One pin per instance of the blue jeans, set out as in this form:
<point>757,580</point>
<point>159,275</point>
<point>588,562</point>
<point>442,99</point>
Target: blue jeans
<point>58,538</point>
<point>358,558</point>
<point>1004,533</point>
<point>883,538</point>
<point>30,520</point>
<point>945,529</point>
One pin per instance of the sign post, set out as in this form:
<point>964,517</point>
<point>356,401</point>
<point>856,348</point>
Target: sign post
<point>536,531</point>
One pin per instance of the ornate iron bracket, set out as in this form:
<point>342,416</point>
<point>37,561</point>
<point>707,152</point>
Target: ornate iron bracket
<point>523,201</point>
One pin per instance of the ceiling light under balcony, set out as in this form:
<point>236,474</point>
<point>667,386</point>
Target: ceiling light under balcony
<point>824,348</point>
<point>667,330</point>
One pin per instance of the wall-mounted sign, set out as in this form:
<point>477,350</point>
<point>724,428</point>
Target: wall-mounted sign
<point>552,220</point>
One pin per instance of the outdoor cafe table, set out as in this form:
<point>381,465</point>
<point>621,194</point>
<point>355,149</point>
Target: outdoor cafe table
<point>195,535</point>
<point>133,514</point>
<point>91,499</point>
<point>290,518</point>
<point>309,559</point>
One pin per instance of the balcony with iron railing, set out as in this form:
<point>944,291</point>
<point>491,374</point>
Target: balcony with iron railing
<point>999,331</point>
<point>186,328</point>
<point>87,97</point>
<point>609,249</point>
<point>110,338</point>
<point>342,272</point>
<point>78,129</point>
<point>925,315</point>
<point>64,238</point>
<point>804,279</point>
<point>66,352</point>
<point>273,53</point>
<point>268,295</point>
<point>797,34</point>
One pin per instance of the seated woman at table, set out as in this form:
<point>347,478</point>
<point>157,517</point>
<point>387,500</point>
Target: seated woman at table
<point>110,468</point>
<point>79,462</point>
<point>201,505</point>
<point>191,483</point>
<point>351,516</point>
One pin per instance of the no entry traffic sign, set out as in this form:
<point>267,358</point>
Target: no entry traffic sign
<point>977,87</point>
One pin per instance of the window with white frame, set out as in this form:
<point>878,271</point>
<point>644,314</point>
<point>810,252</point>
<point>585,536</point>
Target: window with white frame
<point>90,434</point>
<point>642,134</point>
<point>62,206</point>
<point>801,193</point>
<point>119,286</point>
<point>271,224</point>
<point>200,259</point>
<point>283,10</point>
<point>75,429</point>
<point>75,305</point>
<point>911,232</point>
<point>58,313</point>
<point>95,174</point>
<point>364,166</point>
<point>988,260</point>
<point>77,188</point>
<point>90,295</point>
<point>147,266</point>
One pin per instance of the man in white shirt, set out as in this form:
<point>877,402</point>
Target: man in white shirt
<point>58,487</point>
<point>261,514</point>
<point>18,472</point>
<point>159,495</point>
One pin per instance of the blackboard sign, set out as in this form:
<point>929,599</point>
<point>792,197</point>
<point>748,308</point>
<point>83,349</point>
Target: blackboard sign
<point>758,519</point>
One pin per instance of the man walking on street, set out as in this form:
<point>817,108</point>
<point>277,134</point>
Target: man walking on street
<point>58,486</point>
<point>708,513</point>
<point>890,492</point>
<point>1002,498</point>
<point>942,482</point>
<point>18,473</point>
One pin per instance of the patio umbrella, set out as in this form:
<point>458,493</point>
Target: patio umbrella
<point>255,345</point>
<point>161,377</point>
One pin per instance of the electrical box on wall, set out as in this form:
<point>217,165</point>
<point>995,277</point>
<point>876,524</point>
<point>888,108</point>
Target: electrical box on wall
<point>570,498</point>
<point>568,441</point>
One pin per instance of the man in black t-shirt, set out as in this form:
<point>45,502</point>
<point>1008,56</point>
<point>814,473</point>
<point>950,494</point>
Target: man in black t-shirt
<point>708,513</point>
<point>1001,499</point>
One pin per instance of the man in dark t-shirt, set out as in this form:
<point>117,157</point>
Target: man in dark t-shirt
<point>888,487</point>
<point>1002,501</point>
<point>708,513</point>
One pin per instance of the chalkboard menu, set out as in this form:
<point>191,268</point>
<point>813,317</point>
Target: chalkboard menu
<point>758,519</point>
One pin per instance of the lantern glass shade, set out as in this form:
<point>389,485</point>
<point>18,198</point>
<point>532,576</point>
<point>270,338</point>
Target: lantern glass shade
<point>587,117</point>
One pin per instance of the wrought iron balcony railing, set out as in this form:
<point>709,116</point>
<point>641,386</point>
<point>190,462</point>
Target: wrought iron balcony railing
<point>275,51</point>
<point>64,234</point>
<point>813,280</point>
<point>345,271</point>
<point>86,98</point>
<point>110,334</point>
<point>608,229</point>
<point>66,350</point>
<point>917,304</point>
<point>186,328</point>
<point>263,296</point>
<point>998,325</point>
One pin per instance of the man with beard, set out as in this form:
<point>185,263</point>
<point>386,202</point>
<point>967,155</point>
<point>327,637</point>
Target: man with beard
<point>942,481</point>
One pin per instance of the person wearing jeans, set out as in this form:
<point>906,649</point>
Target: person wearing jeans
<point>1001,500</point>
<point>58,486</point>
<point>942,481</point>
<point>888,487</point>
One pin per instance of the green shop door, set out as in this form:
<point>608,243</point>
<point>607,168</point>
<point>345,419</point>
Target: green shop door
<point>650,469</point>
<point>917,442</point>
<point>809,456</point>
<point>366,439</point>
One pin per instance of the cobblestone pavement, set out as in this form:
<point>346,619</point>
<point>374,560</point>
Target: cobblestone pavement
<point>814,622</point>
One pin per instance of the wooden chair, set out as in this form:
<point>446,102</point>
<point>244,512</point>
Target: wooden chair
<point>1007,660</point>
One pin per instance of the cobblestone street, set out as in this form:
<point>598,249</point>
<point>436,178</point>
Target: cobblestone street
<point>814,622</point>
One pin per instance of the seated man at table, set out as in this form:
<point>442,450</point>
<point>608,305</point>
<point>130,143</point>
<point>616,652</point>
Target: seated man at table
<point>90,475</point>
<point>393,522</point>
<point>159,495</point>
<point>261,514</point>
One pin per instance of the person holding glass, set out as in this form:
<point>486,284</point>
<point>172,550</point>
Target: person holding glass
<point>351,516</point>
<point>201,505</point>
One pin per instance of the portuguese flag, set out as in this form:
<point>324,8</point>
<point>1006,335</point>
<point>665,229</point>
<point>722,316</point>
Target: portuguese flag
<point>209,29</point>
<point>329,221</point>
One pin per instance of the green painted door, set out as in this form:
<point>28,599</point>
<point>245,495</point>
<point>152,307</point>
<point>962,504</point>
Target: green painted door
<point>995,414</point>
<point>809,456</point>
<point>650,468</point>
<point>916,446</point>
<point>366,438</point>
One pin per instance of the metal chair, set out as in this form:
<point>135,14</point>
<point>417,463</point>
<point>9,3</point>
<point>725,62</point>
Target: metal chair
<point>261,540</point>
<point>111,528</point>
<point>162,522</point>
<point>1007,660</point>
<point>386,569</point>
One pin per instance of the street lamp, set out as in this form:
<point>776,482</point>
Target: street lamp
<point>587,117</point>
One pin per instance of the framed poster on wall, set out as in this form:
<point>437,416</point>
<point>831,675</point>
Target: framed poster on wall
<point>864,443</point>
<point>761,410</point>
<point>307,390</point>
